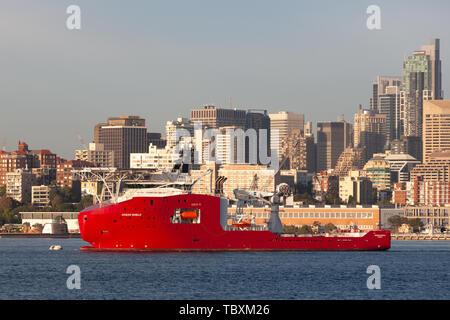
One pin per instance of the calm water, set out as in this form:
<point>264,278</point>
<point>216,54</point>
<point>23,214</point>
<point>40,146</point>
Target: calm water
<point>410,270</point>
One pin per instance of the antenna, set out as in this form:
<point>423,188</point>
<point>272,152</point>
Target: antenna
<point>4,144</point>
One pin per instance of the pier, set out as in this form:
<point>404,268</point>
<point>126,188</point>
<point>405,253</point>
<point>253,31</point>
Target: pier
<point>417,236</point>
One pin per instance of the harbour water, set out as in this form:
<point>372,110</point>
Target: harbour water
<point>409,270</point>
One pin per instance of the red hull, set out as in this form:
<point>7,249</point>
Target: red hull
<point>146,224</point>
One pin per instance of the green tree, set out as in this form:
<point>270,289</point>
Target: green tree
<point>57,202</point>
<point>397,221</point>
<point>351,200</point>
<point>85,202</point>
<point>329,227</point>
<point>3,190</point>
<point>416,224</point>
<point>38,227</point>
<point>305,229</point>
<point>332,199</point>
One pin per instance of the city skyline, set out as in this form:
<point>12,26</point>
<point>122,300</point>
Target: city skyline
<point>130,61</point>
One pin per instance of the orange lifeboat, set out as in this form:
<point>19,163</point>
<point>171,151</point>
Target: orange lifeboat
<point>242,224</point>
<point>189,215</point>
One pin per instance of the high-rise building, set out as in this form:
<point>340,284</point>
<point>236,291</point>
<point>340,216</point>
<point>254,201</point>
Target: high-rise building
<point>123,135</point>
<point>411,145</point>
<point>155,139</point>
<point>369,132</point>
<point>436,127</point>
<point>281,126</point>
<point>214,117</point>
<point>332,138</point>
<point>421,81</point>
<point>177,129</point>
<point>259,120</point>
<point>389,105</point>
<point>297,148</point>
<point>379,87</point>
<point>437,168</point>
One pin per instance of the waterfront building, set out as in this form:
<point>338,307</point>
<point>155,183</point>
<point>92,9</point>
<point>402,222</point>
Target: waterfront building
<point>343,217</point>
<point>243,176</point>
<point>42,218</point>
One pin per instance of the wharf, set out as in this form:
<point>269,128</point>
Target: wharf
<point>415,236</point>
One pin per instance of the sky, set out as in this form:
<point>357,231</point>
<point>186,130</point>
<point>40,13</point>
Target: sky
<point>159,59</point>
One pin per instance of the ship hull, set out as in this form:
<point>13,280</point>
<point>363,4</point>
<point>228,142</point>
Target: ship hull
<point>148,224</point>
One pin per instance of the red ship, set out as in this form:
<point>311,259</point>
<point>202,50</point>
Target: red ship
<point>169,219</point>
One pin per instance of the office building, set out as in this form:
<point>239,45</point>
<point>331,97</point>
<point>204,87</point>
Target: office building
<point>379,87</point>
<point>281,126</point>
<point>421,81</point>
<point>436,127</point>
<point>332,138</point>
<point>214,117</point>
<point>369,132</point>
<point>123,135</point>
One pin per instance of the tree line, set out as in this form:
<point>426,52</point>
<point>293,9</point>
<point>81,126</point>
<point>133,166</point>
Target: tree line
<point>65,199</point>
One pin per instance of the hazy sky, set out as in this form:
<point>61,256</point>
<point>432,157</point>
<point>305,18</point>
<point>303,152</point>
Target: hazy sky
<point>159,59</point>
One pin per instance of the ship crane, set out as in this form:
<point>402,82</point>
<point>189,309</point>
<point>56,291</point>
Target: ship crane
<point>274,225</point>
